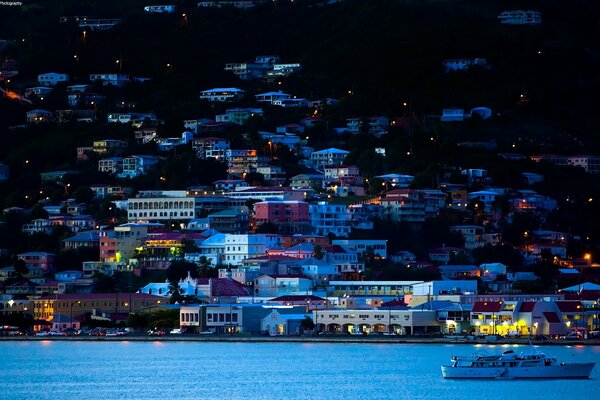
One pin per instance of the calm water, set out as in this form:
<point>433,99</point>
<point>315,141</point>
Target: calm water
<point>231,371</point>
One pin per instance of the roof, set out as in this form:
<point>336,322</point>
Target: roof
<point>569,306</point>
<point>396,303</point>
<point>331,150</point>
<point>527,306</point>
<point>84,237</point>
<point>551,317</point>
<point>271,257</point>
<point>273,94</point>
<point>101,296</point>
<point>487,306</point>
<point>218,90</point>
<point>295,298</point>
<point>227,287</point>
<point>582,287</point>
<point>35,254</point>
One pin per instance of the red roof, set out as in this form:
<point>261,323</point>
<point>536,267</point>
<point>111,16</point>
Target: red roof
<point>272,257</point>
<point>570,306</point>
<point>552,317</point>
<point>227,287</point>
<point>336,248</point>
<point>527,306</point>
<point>487,306</point>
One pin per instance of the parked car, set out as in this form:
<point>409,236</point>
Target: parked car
<point>176,331</point>
<point>572,336</point>
<point>97,332</point>
<point>42,333</point>
<point>157,332</point>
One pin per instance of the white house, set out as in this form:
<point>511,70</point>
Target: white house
<point>163,9</point>
<point>110,79</point>
<point>452,114</point>
<point>520,17</point>
<point>137,165</point>
<point>222,94</point>
<point>278,324</point>
<point>111,165</point>
<point>52,78</point>
<point>161,208</point>
<point>331,156</point>
<point>39,91</point>
<point>233,249</point>
<point>211,147</point>
<point>270,97</point>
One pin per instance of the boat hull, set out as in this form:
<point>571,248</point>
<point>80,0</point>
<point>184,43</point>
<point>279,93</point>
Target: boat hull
<point>558,371</point>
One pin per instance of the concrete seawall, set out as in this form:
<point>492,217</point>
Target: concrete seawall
<point>296,339</point>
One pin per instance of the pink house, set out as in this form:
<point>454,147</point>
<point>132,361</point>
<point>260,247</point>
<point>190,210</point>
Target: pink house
<point>289,215</point>
<point>42,260</point>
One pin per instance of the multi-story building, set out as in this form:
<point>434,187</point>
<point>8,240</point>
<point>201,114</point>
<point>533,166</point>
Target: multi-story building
<point>378,247</point>
<point>306,181</point>
<point>399,322</point>
<point>239,116</point>
<point>112,165</point>
<point>404,205</point>
<point>520,17</point>
<point>281,285</point>
<point>162,9</point>
<point>110,79</point>
<point>222,94</point>
<point>589,163</point>
<point>272,174</point>
<point>235,220</point>
<point>79,305</point>
<point>475,236</point>
<point>331,156</point>
<point>244,161</point>
<point>137,165</point>
<point>52,78</point>
<point>464,64</point>
<point>211,147</point>
<point>289,216</point>
<point>326,218</point>
<point>109,146</point>
<point>164,208</point>
<point>38,259</point>
<point>75,223</point>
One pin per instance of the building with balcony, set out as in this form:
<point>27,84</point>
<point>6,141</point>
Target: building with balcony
<point>326,218</point>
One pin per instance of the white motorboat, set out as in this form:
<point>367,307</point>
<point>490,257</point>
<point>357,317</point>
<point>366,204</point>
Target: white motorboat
<point>510,365</point>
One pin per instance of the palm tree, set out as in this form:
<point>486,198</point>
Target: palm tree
<point>175,292</point>
<point>318,252</point>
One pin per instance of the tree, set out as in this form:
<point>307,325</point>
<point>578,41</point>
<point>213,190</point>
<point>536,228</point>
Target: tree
<point>175,292</point>
<point>307,324</point>
<point>318,252</point>
<point>267,227</point>
<point>180,269</point>
<point>138,320</point>
<point>84,194</point>
<point>205,268</point>
<point>20,268</point>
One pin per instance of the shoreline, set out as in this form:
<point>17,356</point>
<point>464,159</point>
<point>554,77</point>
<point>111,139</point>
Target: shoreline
<point>295,339</point>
